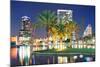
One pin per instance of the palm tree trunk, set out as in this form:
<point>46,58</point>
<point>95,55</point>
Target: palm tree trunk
<point>47,29</point>
<point>61,43</point>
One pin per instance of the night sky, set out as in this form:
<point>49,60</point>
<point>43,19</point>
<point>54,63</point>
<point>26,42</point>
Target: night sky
<point>33,9</point>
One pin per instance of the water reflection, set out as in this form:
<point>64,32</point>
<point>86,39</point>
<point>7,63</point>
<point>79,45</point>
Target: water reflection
<point>40,59</point>
<point>62,60</point>
<point>21,56</point>
<point>24,54</point>
<point>37,60</point>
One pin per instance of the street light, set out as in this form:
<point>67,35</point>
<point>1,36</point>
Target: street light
<point>81,56</point>
<point>75,57</point>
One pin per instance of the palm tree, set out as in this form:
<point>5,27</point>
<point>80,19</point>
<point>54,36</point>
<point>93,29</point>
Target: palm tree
<point>47,19</point>
<point>53,32</point>
<point>64,29</point>
<point>70,27</point>
<point>61,32</point>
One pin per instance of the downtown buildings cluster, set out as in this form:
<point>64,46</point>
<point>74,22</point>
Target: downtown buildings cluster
<point>26,33</point>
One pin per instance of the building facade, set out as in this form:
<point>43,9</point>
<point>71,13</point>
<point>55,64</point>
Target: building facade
<point>26,30</point>
<point>64,15</point>
<point>88,31</point>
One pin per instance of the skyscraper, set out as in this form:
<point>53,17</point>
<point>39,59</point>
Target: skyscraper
<point>88,31</point>
<point>64,15</point>
<point>26,29</point>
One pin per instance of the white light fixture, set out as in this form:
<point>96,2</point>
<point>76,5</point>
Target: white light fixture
<point>75,57</point>
<point>81,56</point>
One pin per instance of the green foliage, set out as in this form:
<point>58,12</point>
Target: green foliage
<point>47,18</point>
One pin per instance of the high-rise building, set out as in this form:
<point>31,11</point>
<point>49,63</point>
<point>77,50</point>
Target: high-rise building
<point>26,29</point>
<point>88,31</point>
<point>64,15</point>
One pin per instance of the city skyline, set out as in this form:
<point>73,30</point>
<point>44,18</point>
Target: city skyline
<point>32,9</point>
<point>51,33</point>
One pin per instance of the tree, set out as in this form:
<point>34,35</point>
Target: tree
<point>61,32</point>
<point>47,19</point>
<point>70,28</point>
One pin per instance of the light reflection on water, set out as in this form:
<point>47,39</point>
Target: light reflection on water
<point>48,59</point>
<point>61,59</point>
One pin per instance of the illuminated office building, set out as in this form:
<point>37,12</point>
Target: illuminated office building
<point>88,31</point>
<point>64,15</point>
<point>26,29</point>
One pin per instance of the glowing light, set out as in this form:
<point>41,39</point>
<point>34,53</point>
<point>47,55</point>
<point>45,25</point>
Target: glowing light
<point>72,46</point>
<point>62,60</point>
<point>80,46</point>
<point>88,46</point>
<point>55,46</point>
<point>21,54</point>
<point>75,46</point>
<point>14,52</point>
<point>50,38</point>
<point>13,39</point>
<point>81,56</point>
<point>28,51</point>
<point>61,47</point>
<point>88,59</point>
<point>25,18</point>
<point>50,46</point>
<point>75,57</point>
<point>84,46</point>
<point>24,53</point>
<point>59,60</point>
<point>93,47</point>
<point>65,60</point>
